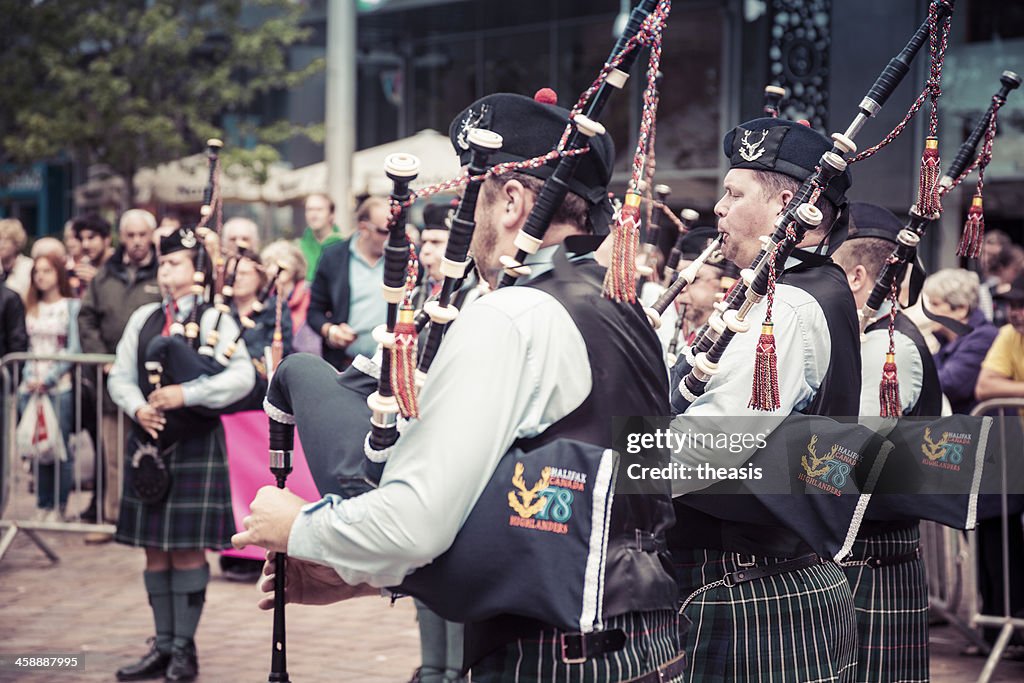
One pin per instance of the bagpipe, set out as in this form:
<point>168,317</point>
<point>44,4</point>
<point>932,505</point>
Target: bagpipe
<point>800,216</point>
<point>181,357</point>
<point>392,398</point>
<point>927,209</point>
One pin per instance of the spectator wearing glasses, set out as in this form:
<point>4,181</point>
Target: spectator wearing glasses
<point>345,299</point>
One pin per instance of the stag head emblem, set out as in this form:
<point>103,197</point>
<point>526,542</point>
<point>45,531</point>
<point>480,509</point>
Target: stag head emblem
<point>931,449</point>
<point>472,120</point>
<point>526,502</point>
<point>752,151</point>
<point>815,465</point>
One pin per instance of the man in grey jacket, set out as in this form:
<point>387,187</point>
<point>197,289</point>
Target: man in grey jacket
<point>126,281</point>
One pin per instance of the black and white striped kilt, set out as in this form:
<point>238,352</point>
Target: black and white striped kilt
<point>892,609</point>
<point>798,626</point>
<point>197,511</point>
<point>651,640</point>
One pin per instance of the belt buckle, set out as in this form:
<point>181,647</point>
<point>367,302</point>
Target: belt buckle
<point>746,564</point>
<point>565,646</point>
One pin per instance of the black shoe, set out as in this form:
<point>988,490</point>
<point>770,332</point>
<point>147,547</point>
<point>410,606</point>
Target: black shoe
<point>184,666</point>
<point>152,665</point>
<point>89,513</point>
<point>241,569</point>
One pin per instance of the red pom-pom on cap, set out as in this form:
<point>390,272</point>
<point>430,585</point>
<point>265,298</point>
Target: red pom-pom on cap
<point>546,96</point>
<point>804,122</point>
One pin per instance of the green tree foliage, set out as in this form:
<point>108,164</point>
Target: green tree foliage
<point>132,83</point>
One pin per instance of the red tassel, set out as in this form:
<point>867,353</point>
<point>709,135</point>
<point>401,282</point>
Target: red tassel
<point>928,188</point>
<point>764,394</point>
<point>620,280</point>
<point>403,364</point>
<point>889,389</point>
<point>974,230</point>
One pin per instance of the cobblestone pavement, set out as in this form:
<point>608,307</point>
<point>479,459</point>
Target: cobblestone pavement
<point>92,604</point>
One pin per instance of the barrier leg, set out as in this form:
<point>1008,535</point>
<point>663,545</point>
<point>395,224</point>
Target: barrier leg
<point>997,652</point>
<point>12,531</point>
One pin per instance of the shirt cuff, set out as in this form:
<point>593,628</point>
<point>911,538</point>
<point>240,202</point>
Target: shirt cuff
<point>189,395</point>
<point>132,407</point>
<point>315,537</point>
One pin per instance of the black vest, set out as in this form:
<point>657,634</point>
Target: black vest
<point>929,401</point>
<point>629,378</point>
<point>838,396</point>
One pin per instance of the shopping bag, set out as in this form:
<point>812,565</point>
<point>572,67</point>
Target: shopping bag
<point>38,434</point>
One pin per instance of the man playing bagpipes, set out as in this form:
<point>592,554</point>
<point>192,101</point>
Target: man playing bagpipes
<point>534,367</point>
<point>885,569</point>
<point>761,591</point>
<point>177,499</point>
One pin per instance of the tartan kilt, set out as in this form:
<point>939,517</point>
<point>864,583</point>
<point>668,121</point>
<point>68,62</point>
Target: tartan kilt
<point>651,640</point>
<point>197,513</point>
<point>798,626</point>
<point>892,610</point>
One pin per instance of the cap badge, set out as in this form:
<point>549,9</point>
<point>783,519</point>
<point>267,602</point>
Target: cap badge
<point>188,238</point>
<point>473,119</point>
<point>752,151</point>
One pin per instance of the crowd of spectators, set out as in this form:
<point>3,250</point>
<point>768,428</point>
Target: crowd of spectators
<point>74,294</point>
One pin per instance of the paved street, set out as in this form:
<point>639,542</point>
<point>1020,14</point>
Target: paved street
<point>92,604</point>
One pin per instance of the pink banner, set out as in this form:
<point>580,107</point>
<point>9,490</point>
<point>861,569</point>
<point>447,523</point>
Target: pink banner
<point>248,442</point>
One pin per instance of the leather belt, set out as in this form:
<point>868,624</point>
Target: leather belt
<point>579,647</point>
<point>752,572</point>
<point>760,572</point>
<point>886,561</point>
<point>665,672</point>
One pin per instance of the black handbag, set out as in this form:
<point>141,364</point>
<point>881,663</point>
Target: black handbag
<point>151,479</point>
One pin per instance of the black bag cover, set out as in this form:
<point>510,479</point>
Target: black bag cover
<point>534,544</point>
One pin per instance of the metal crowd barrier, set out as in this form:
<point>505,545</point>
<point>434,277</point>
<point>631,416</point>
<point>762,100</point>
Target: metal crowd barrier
<point>950,572</point>
<point>1005,408</point>
<point>20,477</point>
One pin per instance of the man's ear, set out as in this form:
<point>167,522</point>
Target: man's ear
<point>518,203</point>
<point>857,278</point>
<point>783,199</point>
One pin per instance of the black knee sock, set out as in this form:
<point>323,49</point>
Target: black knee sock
<point>158,586</point>
<point>189,589</point>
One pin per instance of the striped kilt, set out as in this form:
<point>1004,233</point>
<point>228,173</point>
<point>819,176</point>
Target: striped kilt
<point>197,511</point>
<point>798,626</point>
<point>892,610</point>
<point>651,640</point>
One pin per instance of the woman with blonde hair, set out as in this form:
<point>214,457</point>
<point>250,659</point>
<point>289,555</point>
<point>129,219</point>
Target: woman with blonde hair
<point>950,298</point>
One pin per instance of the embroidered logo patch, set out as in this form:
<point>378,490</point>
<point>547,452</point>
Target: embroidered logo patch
<point>547,504</point>
<point>829,472</point>
<point>947,453</point>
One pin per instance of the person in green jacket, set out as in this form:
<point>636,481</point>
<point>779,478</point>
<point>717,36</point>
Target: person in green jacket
<point>320,232</point>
